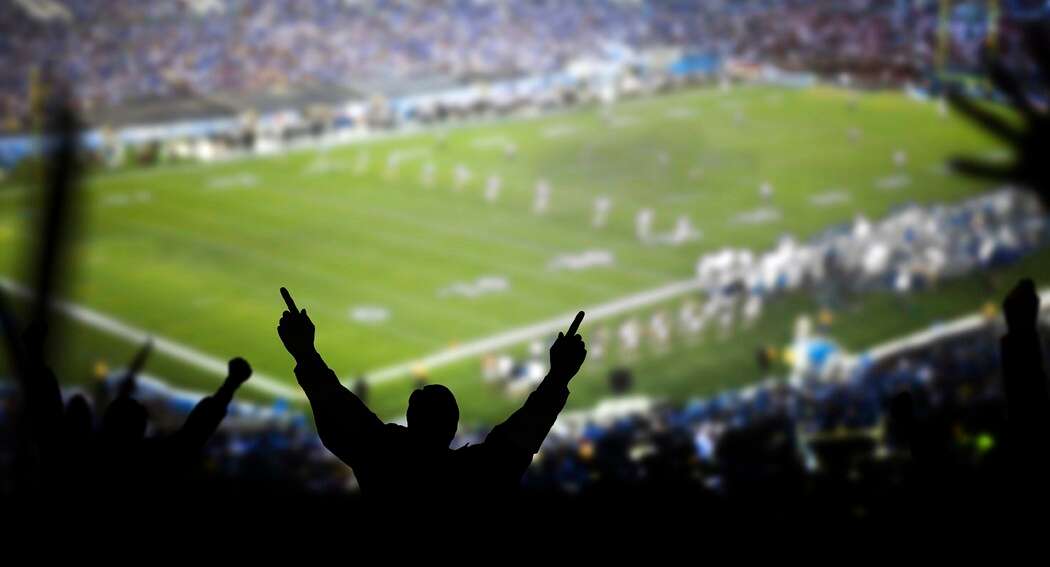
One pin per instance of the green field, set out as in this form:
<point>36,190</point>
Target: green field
<point>196,253</point>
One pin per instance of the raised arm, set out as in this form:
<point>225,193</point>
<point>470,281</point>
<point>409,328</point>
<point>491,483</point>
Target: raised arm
<point>206,416</point>
<point>346,426</point>
<point>526,428</point>
<point>43,396</point>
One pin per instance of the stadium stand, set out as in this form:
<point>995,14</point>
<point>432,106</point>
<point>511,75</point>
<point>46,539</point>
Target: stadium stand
<point>122,52</point>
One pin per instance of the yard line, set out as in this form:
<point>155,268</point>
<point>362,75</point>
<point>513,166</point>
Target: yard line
<point>192,357</point>
<point>272,386</point>
<point>521,334</point>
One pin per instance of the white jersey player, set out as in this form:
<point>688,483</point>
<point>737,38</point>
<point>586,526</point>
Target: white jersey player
<point>602,206</point>
<point>599,342</point>
<point>684,231</point>
<point>643,224</point>
<point>630,337</point>
<point>361,163</point>
<point>660,331</point>
<point>752,309</point>
<point>426,176</point>
<point>543,197</point>
<point>461,177</point>
<point>392,163</point>
<point>900,158</point>
<point>690,319</point>
<point>492,188</point>
<point>765,191</point>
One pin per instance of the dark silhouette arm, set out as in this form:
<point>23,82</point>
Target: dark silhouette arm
<point>344,423</point>
<point>206,416</point>
<point>43,395</point>
<point>526,428</point>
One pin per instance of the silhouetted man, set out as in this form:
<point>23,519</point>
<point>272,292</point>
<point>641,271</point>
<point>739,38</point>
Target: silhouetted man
<point>415,464</point>
<point>1025,386</point>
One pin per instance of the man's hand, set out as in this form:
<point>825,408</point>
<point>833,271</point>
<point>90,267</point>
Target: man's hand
<point>296,329</point>
<point>1021,308</point>
<point>1029,140</point>
<point>568,351</point>
<point>239,372</point>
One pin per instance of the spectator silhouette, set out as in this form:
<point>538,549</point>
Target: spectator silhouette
<point>415,464</point>
<point>1024,383</point>
<point>132,463</point>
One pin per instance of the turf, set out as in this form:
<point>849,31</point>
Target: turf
<point>196,253</point>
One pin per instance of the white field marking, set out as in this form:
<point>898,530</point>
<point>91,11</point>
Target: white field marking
<point>325,165</point>
<point>680,113</point>
<point>529,332</point>
<point>234,181</point>
<point>369,314</point>
<point>763,215</point>
<point>190,356</point>
<point>401,155</point>
<point>491,143</point>
<point>829,198</point>
<point>559,131</point>
<point>936,331</point>
<point>618,122</point>
<point>893,182</point>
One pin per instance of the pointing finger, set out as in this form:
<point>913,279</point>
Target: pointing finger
<point>575,324</point>
<point>289,301</point>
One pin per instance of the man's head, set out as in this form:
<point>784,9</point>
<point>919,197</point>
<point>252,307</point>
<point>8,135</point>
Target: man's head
<point>433,415</point>
<point>124,421</point>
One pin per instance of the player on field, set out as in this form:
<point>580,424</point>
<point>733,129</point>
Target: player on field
<point>900,158</point>
<point>361,163</point>
<point>684,231</point>
<point>543,197</point>
<point>630,338</point>
<point>660,331</point>
<point>461,177</point>
<point>765,191</point>
<point>492,188</point>
<point>426,176</point>
<point>602,206</point>
<point>600,342</point>
<point>643,224</point>
<point>392,163</point>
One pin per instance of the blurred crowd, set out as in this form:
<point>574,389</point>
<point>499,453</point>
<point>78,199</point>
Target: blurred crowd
<point>833,443</point>
<point>114,51</point>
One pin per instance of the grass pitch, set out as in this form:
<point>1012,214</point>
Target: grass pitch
<point>393,268</point>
